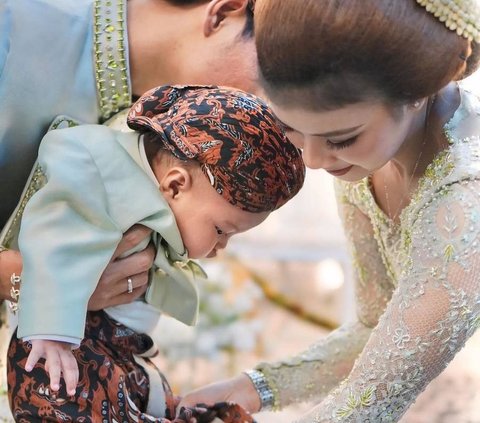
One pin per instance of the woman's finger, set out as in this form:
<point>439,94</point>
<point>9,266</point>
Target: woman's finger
<point>124,287</point>
<point>134,236</point>
<point>121,286</point>
<point>114,281</point>
<point>126,298</point>
<point>132,265</point>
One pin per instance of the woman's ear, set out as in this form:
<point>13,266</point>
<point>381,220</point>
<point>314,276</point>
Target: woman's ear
<point>219,10</point>
<point>418,104</point>
<point>175,181</point>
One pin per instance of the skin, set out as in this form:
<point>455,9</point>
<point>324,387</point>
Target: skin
<point>387,147</point>
<point>394,147</point>
<point>206,222</point>
<point>205,49</point>
<point>350,143</point>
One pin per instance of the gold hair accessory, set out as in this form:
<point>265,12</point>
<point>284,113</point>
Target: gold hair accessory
<point>461,16</point>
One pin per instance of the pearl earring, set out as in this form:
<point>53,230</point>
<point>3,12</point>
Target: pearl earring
<point>417,104</point>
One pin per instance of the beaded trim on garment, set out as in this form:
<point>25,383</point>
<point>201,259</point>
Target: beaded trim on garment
<point>36,180</point>
<point>461,16</point>
<point>111,56</point>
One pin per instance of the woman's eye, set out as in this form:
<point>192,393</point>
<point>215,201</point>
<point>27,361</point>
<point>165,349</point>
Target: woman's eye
<point>219,231</point>
<point>342,144</point>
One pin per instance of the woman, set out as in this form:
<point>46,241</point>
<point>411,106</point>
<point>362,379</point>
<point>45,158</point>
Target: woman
<point>368,90</point>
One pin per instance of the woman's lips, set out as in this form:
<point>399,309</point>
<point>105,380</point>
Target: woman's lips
<point>340,172</point>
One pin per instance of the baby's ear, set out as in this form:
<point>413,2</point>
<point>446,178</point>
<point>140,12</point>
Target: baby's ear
<point>176,180</point>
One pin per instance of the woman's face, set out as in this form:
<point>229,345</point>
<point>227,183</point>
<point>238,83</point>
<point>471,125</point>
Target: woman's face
<point>349,143</point>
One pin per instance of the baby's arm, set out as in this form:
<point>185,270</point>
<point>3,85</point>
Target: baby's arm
<point>67,238</point>
<point>59,360</point>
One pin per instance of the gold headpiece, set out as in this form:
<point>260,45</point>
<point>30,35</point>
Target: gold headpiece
<point>461,16</point>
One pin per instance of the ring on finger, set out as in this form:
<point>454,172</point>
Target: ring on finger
<point>129,285</point>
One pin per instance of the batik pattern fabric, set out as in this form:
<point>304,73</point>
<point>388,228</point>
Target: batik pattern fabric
<point>234,137</point>
<point>112,386</point>
<point>417,289</point>
<point>220,412</point>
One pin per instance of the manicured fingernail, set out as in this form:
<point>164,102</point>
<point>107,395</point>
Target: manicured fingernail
<point>28,368</point>
<point>55,387</point>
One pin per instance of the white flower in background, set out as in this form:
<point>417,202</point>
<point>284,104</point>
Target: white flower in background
<point>205,344</point>
<point>227,319</point>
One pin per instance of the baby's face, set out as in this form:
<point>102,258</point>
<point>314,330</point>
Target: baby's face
<point>207,221</point>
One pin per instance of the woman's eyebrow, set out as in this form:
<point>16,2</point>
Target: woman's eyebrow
<point>338,132</point>
<point>324,134</point>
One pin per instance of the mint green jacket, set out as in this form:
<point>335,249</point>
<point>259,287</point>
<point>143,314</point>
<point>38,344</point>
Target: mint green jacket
<point>93,188</point>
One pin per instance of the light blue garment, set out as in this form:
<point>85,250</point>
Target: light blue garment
<point>96,189</point>
<point>46,69</point>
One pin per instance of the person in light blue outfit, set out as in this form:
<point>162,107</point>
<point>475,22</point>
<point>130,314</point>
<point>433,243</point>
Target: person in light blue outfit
<point>205,164</point>
<point>81,59</point>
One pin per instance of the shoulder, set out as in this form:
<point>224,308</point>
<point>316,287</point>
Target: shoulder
<point>463,134</point>
<point>459,164</point>
<point>86,137</point>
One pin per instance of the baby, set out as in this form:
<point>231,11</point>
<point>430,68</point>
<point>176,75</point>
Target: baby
<point>203,164</point>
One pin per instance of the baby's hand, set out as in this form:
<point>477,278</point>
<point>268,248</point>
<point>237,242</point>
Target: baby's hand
<point>58,360</point>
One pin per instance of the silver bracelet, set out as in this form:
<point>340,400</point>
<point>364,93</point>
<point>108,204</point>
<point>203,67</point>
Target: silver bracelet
<point>14,289</point>
<point>14,292</point>
<point>2,249</point>
<point>262,387</point>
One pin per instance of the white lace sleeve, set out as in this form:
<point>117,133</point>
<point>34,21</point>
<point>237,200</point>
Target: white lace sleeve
<point>433,311</point>
<point>313,373</point>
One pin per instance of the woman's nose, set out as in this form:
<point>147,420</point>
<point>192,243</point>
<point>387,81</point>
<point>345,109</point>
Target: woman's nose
<point>316,154</point>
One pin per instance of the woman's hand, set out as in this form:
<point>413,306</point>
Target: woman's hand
<point>112,288</point>
<point>239,390</point>
<point>10,262</point>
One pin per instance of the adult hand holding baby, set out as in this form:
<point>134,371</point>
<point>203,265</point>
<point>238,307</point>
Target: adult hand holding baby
<point>112,288</point>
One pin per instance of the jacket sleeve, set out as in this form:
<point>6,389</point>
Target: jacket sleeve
<point>66,239</point>
<point>313,373</point>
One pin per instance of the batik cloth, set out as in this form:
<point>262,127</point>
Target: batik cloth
<point>233,135</point>
<point>219,412</point>
<point>112,386</point>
